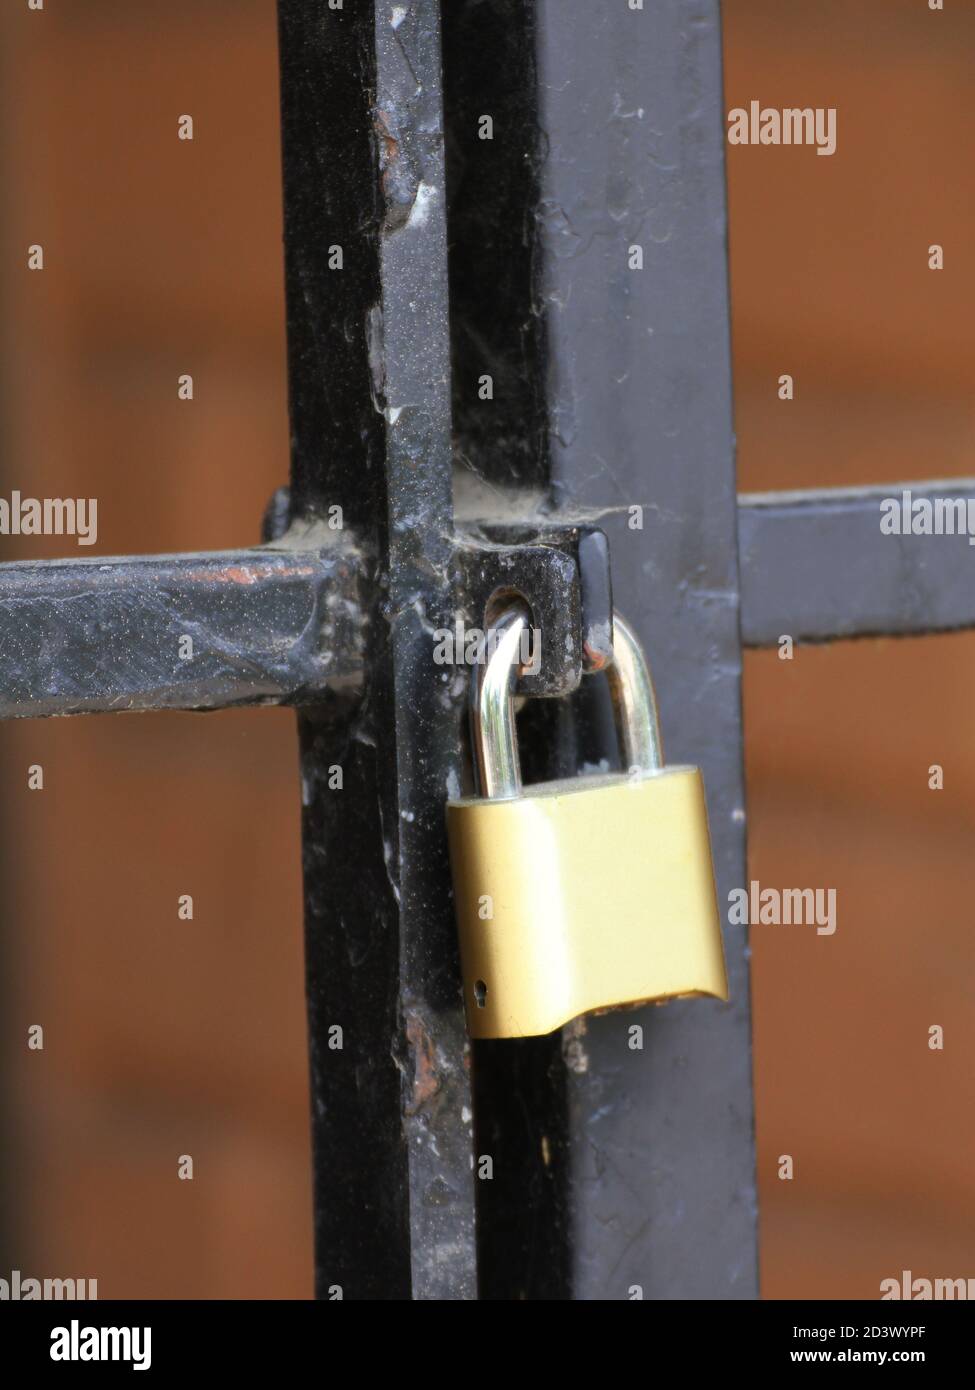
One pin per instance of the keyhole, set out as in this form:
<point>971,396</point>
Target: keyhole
<point>480,993</point>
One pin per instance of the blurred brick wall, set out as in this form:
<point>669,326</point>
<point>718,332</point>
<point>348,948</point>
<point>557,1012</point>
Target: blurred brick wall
<point>830,283</point>
<point>829,255</point>
<point>165,1037</point>
<point>162,1037</point>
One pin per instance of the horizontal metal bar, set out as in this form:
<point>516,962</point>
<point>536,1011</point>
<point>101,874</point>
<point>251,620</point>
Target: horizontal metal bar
<point>248,627</point>
<point>818,567</point>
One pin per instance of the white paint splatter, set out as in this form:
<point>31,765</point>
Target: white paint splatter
<point>398,15</point>
<point>426,194</point>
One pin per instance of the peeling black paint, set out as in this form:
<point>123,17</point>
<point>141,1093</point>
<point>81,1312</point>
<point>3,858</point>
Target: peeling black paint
<point>370,411</point>
<point>268,626</point>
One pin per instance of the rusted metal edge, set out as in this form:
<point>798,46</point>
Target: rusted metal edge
<point>191,632</point>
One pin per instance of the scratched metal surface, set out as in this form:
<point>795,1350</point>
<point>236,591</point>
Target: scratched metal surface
<point>109,635</point>
<point>370,414</point>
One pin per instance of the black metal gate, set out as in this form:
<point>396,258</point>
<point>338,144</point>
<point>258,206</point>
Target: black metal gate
<point>508,336</point>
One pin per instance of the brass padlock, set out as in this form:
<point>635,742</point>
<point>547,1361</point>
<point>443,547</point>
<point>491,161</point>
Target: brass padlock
<point>581,894</point>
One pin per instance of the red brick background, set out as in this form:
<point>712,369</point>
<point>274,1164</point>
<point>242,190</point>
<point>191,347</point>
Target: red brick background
<point>830,283</point>
<point>162,1037</point>
<point>165,1037</point>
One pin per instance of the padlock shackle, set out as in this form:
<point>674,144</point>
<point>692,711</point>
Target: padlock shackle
<point>634,701</point>
<point>497,765</point>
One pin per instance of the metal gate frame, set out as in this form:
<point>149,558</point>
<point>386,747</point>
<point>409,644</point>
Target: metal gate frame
<point>577,259</point>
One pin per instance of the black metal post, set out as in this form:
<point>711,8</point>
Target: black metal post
<point>589,278</point>
<point>370,411</point>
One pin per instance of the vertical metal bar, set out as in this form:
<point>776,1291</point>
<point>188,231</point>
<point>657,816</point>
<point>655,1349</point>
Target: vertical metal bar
<point>370,411</point>
<point>640,415</point>
<point>617,1170</point>
<point>498,329</point>
<point>492,177</point>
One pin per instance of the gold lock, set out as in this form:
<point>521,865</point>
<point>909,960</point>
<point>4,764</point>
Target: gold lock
<point>582,894</point>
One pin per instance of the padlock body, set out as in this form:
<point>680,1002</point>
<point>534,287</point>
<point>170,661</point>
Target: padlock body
<point>584,894</point>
